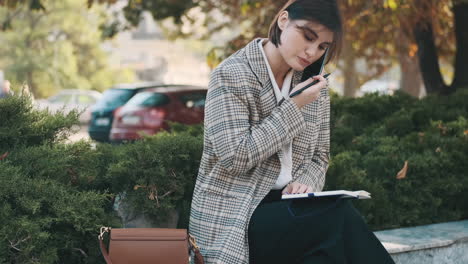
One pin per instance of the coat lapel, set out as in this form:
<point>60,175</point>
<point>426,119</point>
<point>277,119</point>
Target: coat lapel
<point>259,68</point>
<point>268,101</point>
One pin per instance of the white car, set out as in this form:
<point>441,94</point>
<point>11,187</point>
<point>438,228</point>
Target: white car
<point>70,99</point>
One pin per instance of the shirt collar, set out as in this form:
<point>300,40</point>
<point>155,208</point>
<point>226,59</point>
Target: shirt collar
<point>284,92</point>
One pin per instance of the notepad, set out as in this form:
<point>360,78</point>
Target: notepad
<point>339,193</point>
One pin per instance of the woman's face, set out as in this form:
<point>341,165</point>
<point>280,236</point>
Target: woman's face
<point>302,41</point>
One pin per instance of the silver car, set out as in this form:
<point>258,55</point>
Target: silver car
<point>70,99</point>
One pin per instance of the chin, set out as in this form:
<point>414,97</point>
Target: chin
<point>297,67</point>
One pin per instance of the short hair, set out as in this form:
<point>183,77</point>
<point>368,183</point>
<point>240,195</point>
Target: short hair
<point>324,12</point>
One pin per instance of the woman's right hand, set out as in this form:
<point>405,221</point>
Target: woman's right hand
<point>310,94</point>
<point>295,187</point>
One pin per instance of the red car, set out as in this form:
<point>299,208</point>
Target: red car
<point>148,111</point>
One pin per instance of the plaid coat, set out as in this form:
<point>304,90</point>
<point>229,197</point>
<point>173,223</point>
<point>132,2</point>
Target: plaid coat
<point>245,130</point>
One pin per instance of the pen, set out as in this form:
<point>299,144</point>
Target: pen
<point>307,86</point>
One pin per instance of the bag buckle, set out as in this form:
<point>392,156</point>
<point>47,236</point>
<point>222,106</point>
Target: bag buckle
<point>192,242</point>
<point>102,231</point>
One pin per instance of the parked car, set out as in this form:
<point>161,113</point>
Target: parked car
<point>70,99</point>
<point>102,113</point>
<point>149,111</point>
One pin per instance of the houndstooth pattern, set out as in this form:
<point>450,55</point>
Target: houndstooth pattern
<point>244,132</point>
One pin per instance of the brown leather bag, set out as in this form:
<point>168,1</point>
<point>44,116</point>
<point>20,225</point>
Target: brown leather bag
<point>148,245</point>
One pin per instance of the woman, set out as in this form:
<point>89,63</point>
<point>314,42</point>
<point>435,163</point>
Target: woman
<point>258,146</point>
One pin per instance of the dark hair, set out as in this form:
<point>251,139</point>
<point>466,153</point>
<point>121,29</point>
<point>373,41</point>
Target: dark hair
<point>324,12</point>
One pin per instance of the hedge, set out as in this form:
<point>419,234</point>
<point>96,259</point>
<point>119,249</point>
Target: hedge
<point>48,212</point>
<point>373,137</point>
<point>54,196</point>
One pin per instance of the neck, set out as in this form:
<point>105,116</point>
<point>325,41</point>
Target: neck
<point>277,64</point>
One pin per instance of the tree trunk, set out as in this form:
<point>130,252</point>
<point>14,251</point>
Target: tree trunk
<point>428,61</point>
<point>32,86</point>
<point>351,82</point>
<point>460,12</point>
<point>410,82</point>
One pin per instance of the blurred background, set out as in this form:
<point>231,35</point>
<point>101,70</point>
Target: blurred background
<point>93,44</point>
<point>399,108</point>
<point>60,51</point>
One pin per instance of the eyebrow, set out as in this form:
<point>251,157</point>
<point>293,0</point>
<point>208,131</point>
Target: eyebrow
<point>313,32</point>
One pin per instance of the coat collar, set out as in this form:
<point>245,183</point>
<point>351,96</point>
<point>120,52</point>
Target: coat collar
<point>259,67</point>
<point>268,99</point>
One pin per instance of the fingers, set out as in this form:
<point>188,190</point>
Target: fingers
<point>319,77</point>
<point>322,80</point>
<point>314,89</point>
<point>296,187</point>
<point>308,93</point>
<point>311,89</point>
<point>287,189</point>
<point>302,188</point>
<point>304,83</point>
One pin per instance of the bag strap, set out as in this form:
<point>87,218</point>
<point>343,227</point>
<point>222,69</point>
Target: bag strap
<point>193,246</point>
<point>101,244</point>
<point>191,239</point>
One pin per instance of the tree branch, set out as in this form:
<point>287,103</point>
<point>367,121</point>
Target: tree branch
<point>14,245</point>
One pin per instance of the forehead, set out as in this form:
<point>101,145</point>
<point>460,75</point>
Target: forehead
<point>320,29</point>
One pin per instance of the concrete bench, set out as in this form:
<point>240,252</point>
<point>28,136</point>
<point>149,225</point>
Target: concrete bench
<point>443,243</point>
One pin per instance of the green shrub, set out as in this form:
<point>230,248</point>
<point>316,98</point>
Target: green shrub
<point>44,221</point>
<point>157,174</point>
<point>51,206</point>
<point>193,130</point>
<point>55,196</point>
<point>367,153</point>
<point>22,125</point>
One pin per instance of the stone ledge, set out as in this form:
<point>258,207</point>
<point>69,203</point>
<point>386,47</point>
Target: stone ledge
<point>436,243</point>
<point>422,237</point>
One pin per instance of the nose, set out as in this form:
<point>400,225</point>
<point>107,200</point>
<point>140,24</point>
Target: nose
<point>312,51</point>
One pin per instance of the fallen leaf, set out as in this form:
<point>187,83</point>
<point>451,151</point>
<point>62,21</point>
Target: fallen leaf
<point>402,173</point>
<point>443,129</point>
<point>413,50</point>
<point>4,156</point>
<point>136,187</point>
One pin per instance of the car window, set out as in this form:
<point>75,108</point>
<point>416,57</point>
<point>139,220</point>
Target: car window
<point>193,99</point>
<point>148,99</point>
<point>61,98</point>
<point>115,98</point>
<point>86,99</point>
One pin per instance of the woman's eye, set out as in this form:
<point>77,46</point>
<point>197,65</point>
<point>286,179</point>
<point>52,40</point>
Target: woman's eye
<point>308,38</point>
<point>322,48</point>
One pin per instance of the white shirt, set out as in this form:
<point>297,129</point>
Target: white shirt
<point>285,175</point>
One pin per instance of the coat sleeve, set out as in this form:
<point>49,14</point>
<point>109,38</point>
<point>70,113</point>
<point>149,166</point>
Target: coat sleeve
<point>313,173</point>
<point>237,143</point>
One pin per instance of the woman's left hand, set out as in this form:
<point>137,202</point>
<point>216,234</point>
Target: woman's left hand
<point>295,187</point>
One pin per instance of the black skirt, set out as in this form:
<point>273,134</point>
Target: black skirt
<point>315,231</point>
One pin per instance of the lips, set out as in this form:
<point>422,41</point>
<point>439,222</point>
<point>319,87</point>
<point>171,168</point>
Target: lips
<point>304,62</point>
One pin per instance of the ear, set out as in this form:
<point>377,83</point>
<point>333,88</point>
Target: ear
<point>283,20</point>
